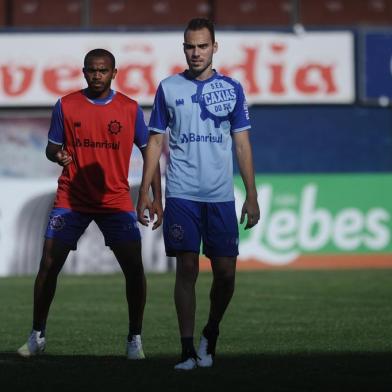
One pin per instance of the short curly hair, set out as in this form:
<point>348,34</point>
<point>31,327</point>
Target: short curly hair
<point>100,53</point>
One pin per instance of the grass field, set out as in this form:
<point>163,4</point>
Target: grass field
<point>284,331</point>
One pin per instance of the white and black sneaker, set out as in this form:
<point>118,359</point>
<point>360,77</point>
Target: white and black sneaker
<point>186,364</point>
<point>35,345</point>
<point>134,348</point>
<point>206,351</point>
<point>188,361</point>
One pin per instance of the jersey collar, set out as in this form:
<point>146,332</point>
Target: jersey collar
<point>100,101</point>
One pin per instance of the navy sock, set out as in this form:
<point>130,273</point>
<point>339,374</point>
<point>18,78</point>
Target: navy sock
<point>188,348</point>
<point>41,330</point>
<point>132,331</point>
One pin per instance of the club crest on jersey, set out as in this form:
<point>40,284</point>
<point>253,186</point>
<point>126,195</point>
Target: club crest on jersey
<point>114,127</point>
<point>176,232</point>
<point>217,100</point>
<point>56,222</point>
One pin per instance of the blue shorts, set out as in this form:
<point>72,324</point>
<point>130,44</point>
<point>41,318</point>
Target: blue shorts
<point>187,222</point>
<point>67,226</point>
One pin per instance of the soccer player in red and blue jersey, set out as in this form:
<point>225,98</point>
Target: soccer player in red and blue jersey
<point>91,136</point>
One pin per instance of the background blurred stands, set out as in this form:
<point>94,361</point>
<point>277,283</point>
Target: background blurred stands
<point>345,12</point>
<point>146,13</point>
<point>249,13</point>
<point>3,20</point>
<point>46,14</point>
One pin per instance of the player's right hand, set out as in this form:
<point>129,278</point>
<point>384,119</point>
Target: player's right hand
<point>158,212</point>
<point>63,158</point>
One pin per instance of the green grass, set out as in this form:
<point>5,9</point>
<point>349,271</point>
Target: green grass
<point>284,331</point>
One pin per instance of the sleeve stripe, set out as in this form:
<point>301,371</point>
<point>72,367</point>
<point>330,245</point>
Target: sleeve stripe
<point>157,130</point>
<point>241,129</point>
<point>54,142</point>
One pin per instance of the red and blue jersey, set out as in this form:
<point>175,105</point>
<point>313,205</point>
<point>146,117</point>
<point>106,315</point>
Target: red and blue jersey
<point>99,135</point>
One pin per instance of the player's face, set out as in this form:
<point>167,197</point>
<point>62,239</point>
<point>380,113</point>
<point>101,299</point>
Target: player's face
<point>99,74</point>
<point>199,50</point>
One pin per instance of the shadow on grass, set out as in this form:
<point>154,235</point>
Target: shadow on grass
<point>265,372</point>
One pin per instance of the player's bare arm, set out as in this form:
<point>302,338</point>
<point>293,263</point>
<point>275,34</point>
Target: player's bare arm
<point>245,163</point>
<point>151,165</point>
<point>56,153</point>
<point>156,204</point>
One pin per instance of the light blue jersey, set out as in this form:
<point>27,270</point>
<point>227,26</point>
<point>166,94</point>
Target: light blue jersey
<point>201,116</point>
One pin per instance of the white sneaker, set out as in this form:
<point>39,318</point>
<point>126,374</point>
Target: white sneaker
<point>135,348</point>
<point>204,359</point>
<point>188,364</point>
<point>35,345</point>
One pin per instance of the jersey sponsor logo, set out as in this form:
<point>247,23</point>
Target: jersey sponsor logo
<point>179,102</point>
<point>223,96</point>
<point>56,222</point>
<point>114,127</point>
<point>217,99</point>
<point>193,138</point>
<point>88,143</point>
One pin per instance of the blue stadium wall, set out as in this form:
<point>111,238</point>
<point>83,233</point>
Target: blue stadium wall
<point>321,139</point>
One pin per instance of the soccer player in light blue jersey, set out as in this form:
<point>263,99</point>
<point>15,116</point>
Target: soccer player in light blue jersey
<point>204,112</point>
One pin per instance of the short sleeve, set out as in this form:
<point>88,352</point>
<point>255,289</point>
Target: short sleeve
<point>141,131</point>
<point>159,119</point>
<point>56,130</point>
<point>239,118</point>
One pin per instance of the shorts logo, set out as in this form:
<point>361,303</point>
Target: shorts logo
<point>176,232</point>
<point>232,241</point>
<point>130,226</point>
<point>114,127</point>
<point>56,222</point>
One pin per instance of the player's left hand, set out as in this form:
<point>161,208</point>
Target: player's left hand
<point>252,211</point>
<point>63,158</point>
<point>144,204</point>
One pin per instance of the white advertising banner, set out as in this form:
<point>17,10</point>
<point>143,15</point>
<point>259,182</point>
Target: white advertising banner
<point>274,68</point>
<point>304,224</point>
<point>25,205</point>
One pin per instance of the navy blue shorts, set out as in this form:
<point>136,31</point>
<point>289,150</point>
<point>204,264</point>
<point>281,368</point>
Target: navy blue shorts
<point>67,226</point>
<point>187,222</point>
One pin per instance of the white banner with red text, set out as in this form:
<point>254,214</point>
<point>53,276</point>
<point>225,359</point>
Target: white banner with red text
<point>274,68</point>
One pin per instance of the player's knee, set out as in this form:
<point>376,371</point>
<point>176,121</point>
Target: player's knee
<point>48,267</point>
<point>133,270</point>
<point>226,280</point>
<point>188,273</point>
